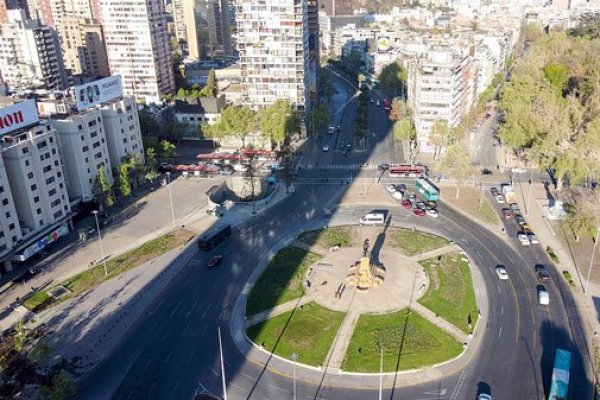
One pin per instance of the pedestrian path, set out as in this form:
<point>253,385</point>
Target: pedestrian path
<point>331,167</point>
<point>439,322</point>
<point>338,350</point>
<point>277,310</point>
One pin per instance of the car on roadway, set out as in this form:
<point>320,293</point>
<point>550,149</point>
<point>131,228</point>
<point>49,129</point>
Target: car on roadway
<point>514,207</point>
<point>240,167</point>
<point>523,239</point>
<point>407,204</point>
<point>486,171</point>
<point>526,228</point>
<point>418,212</point>
<point>401,186</point>
<point>431,204</point>
<point>501,272</point>
<point>331,130</point>
<point>518,170</point>
<point>506,213</point>
<point>214,261</point>
<point>412,197</point>
<point>543,296</point>
<point>397,195</point>
<point>338,128</point>
<point>484,396</point>
<point>432,212</point>
<point>378,103</point>
<point>391,188</point>
<point>500,199</point>
<point>421,205</point>
<point>372,100</point>
<point>542,272</point>
<point>326,147</point>
<point>532,238</point>
<point>520,219</point>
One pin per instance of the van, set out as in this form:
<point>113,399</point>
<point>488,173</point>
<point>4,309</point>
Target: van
<point>543,296</point>
<point>373,219</point>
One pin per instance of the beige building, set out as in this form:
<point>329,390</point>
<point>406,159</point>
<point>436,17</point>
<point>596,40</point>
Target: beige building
<point>122,129</point>
<point>83,46</point>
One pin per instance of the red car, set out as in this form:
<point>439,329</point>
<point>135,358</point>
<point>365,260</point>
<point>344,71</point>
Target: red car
<point>214,261</point>
<point>419,212</point>
<point>506,213</point>
<point>407,204</point>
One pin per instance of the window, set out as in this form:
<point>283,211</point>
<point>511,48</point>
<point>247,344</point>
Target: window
<point>27,163</point>
<point>33,187</point>
<point>53,151</point>
<point>92,123</point>
<point>85,148</point>
<point>98,155</point>
<point>57,214</point>
<point>50,180</point>
<point>60,185</point>
<point>38,211</point>
<point>51,139</point>
<point>47,168</point>
<point>56,163</point>
<point>42,144</point>
<point>30,175</point>
<point>36,199</point>
<point>1,189</point>
<point>41,222</point>
<point>94,134</point>
<point>7,214</point>
<point>95,145</point>
<point>52,192</point>
<point>59,174</point>
<point>25,150</point>
<point>55,203</point>
<point>4,202</point>
<point>11,226</point>
<point>80,127</point>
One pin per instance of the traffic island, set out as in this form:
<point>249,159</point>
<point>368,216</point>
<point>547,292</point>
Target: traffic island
<point>316,302</point>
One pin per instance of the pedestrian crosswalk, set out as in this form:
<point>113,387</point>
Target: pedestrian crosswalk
<point>331,167</point>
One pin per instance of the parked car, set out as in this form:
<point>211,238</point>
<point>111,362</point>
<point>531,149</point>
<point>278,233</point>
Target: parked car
<point>278,167</point>
<point>484,396</point>
<point>487,116</point>
<point>514,207</point>
<point>378,103</point>
<point>391,188</point>
<point>542,272</point>
<point>421,205</point>
<point>214,212</point>
<point>401,186</point>
<point>526,228</point>
<point>397,195</point>
<point>523,239</point>
<point>494,191</point>
<point>506,213</point>
<point>518,170</point>
<point>407,204</point>
<point>240,167</point>
<point>412,197</point>
<point>486,171</point>
<point>214,261</point>
<point>418,212</point>
<point>500,199</point>
<point>331,129</point>
<point>532,238</point>
<point>431,204</point>
<point>501,272</point>
<point>520,219</point>
<point>432,212</point>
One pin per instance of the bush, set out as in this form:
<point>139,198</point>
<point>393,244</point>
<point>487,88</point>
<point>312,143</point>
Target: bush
<point>552,254</point>
<point>568,277</point>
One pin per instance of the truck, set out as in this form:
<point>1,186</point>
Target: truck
<point>509,193</point>
<point>214,236</point>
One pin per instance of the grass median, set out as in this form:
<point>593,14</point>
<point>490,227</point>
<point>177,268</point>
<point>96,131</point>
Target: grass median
<point>328,237</point>
<point>450,294</point>
<point>413,242</point>
<point>308,331</point>
<point>115,266</point>
<point>408,340</point>
<point>282,279</point>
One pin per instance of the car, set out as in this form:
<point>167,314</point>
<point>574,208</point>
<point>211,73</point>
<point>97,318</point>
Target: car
<point>277,167</point>
<point>494,191</point>
<point>412,197</point>
<point>543,296</point>
<point>372,100</point>
<point>431,204</point>
<point>501,272</point>
<point>383,167</point>
<point>487,116</point>
<point>525,227</point>
<point>484,396</point>
<point>331,129</point>
<point>486,171</point>
<point>397,195</point>
<point>532,238</point>
<point>214,212</point>
<point>326,147</point>
<point>542,272</point>
<point>348,147</point>
<point>514,207</point>
<point>240,167</point>
<point>523,239</point>
<point>520,219</point>
<point>378,103</point>
<point>432,212</point>
<point>506,213</point>
<point>518,170</point>
<point>421,205</point>
<point>391,188</point>
<point>500,199</point>
<point>418,212</point>
<point>401,186</point>
<point>338,128</point>
<point>407,204</point>
<point>214,261</point>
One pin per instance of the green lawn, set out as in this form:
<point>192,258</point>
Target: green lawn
<point>327,237</point>
<point>281,281</point>
<point>115,266</point>
<point>409,341</point>
<point>308,331</point>
<point>415,242</point>
<point>450,294</point>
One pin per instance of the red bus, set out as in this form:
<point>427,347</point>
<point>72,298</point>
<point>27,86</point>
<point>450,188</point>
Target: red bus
<point>407,170</point>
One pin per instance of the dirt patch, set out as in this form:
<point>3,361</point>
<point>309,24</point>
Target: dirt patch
<point>471,201</point>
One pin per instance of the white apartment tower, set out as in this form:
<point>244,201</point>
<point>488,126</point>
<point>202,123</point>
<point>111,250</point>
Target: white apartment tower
<point>10,232</point>
<point>137,45</point>
<point>272,38</point>
<point>30,54</point>
<point>122,129</point>
<point>440,88</point>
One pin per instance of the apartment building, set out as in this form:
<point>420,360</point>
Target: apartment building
<point>122,129</point>
<point>34,172</point>
<point>30,54</point>
<point>440,88</point>
<point>84,151</point>
<point>272,38</point>
<point>83,46</point>
<point>137,44</point>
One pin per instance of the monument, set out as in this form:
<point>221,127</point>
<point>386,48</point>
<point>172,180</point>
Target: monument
<point>364,275</point>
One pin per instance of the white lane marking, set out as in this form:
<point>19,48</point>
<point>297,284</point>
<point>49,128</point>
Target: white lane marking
<point>174,388</point>
<point>500,332</point>
<point>191,309</point>
<point>146,365</point>
<point>164,336</point>
<point>458,386</point>
<point>171,352</point>
<point>501,310</point>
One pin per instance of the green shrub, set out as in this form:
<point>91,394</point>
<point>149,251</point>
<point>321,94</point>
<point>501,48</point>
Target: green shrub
<point>552,254</point>
<point>569,278</point>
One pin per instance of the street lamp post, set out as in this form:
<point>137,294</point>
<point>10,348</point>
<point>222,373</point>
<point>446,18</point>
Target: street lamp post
<point>597,239</point>
<point>222,366</point>
<point>171,198</point>
<point>381,375</point>
<point>529,194</point>
<point>95,212</point>
<point>294,358</point>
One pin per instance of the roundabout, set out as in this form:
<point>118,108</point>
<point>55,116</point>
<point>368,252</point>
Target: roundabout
<point>353,307</point>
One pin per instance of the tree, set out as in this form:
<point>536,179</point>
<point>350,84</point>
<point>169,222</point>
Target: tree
<point>234,121</point>
<point>583,218</point>
<point>439,136</point>
<point>166,150</point>
<point>399,109</point>
<point>319,118</point>
<point>278,121</point>
<point>181,93</point>
<point>62,388</point>
<point>557,74</point>
<point>103,189</point>
<point>324,84</point>
<point>405,133</point>
<point>151,159</point>
<point>393,78</point>
<point>123,181</point>
<point>211,87</point>
<point>456,163</point>
<point>148,125</point>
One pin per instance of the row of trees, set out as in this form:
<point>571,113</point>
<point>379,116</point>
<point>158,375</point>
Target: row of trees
<point>275,123</point>
<point>211,88</point>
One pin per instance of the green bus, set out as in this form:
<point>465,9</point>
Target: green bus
<point>427,189</point>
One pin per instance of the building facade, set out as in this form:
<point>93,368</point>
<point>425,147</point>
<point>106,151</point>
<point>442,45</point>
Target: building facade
<point>272,39</point>
<point>137,45</point>
<point>83,46</point>
<point>121,124</point>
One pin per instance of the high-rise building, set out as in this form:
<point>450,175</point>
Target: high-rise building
<point>338,7</point>
<point>83,46</point>
<point>137,45</point>
<point>272,39</point>
<point>30,54</point>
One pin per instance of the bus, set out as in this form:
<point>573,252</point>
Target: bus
<point>407,171</point>
<point>427,189</point>
<point>214,236</point>
<point>559,388</point>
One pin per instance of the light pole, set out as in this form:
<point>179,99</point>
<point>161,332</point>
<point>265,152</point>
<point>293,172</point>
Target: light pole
<point>597,239</point>
<point>294,357</point>
<point>529,194</point>
<point>95,212</point>
<point>381,375</point>
<point>222,366</point>
<point>171,198</point>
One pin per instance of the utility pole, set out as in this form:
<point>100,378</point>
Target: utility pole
<point>294,358</point>
<point>597,239</point>
<point>381,375</point>
<point>222,366</point>
<point>95,212</point>
<point>171,199</point>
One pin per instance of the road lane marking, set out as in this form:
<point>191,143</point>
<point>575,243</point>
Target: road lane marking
<point>174,388</point>
<point>164,336</point>
<point>500,332</point>
<point>458,387</point>
<point>146,365</point>
<point>501,310</point>
<point>168,356</point>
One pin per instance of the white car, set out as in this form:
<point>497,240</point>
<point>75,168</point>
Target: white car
<point>532,238</point>
<point>518,170</point>
<point>523,239</point>
<point>326,147</point>
<point>391,188</point>
<point>278,167</point>
<point>432,212</point>
<point>543,296</point>
<point>501,272</point>
<point>500,199</point>
<point>484,396</point>
<point>378,103</point>
<point>398,195</point>
<point>240,167</point>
